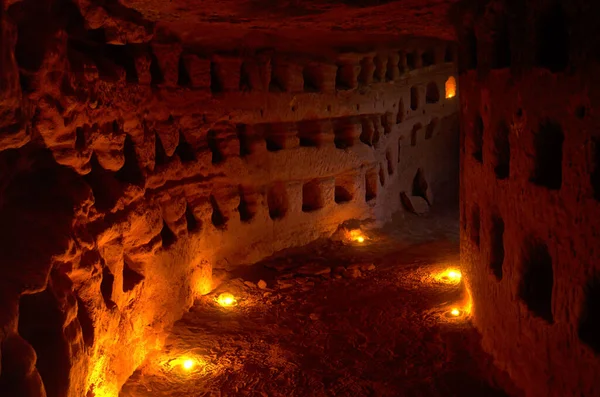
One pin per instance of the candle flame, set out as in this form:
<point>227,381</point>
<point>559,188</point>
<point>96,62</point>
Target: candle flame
<point>450,276</point>
<point>226,299</point>
<point>450,87</point>
<point>188,364</point>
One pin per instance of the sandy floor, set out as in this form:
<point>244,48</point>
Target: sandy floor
<point>343,332</point>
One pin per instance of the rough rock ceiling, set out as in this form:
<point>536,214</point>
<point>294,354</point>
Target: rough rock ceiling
<point>193,20</point>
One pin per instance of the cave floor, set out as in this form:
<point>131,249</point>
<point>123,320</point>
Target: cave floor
<point>346,332</point>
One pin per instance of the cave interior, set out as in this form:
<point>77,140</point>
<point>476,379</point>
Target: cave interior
<point>292,198</point>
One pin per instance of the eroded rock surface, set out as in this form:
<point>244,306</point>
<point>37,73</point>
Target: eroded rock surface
<point>135,160</point>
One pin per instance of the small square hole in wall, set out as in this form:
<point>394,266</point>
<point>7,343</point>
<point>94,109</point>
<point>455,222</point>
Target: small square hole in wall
<point>167,236</point>
<point>184,150</point>
<point>344,188</point>
<point>537,279</point>
<point>432,93</point>
<point>248,205</point>
<point>449,54</point>
<point>312,198</point>
<point>192,223</point>
<point>215,147</point>
<point>414,98</point>
<point>371,185</point>
<point>275,137</point>
<point>310,133</point>
<point>130,173</point>
<point>245,82</point>
<point>428,58</point>
<point>420,187</point>
<point>548,145</point>
<point>216,86</point>
<point>589,319</point>
<point>344,78</point>
<point>218,219</point>
<point>313,77</point>
<point>277,200</point>
<point>367,68</point>
<point>411,60</point>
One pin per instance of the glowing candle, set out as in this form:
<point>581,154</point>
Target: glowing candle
<point>226,299</point>
<point>451,87</point>
<point>188,364</point>
<point>454,275</point>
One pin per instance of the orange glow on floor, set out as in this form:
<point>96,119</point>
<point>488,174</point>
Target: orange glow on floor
<point>450,276</point>
<point>187,363</point>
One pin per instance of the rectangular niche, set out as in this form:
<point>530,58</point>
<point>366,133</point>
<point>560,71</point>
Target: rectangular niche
<point>278,200</point>
<point>345,187</point>
<point>537,279</point>
<point>311,133</point>
<point>347,131</point>
<point>414,98</point>
<point>548,142</point>
<point>371,184</point>
<point>312,196</point>
<point>280,136</point>
<point>248,203</point>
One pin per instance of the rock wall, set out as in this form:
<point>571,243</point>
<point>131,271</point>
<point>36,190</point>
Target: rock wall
<point>134,164</point>
<point>530,159</point>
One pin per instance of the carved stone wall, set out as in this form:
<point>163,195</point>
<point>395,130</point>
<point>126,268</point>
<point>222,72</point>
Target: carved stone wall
<point>529,188</point>
<point>135,164</point>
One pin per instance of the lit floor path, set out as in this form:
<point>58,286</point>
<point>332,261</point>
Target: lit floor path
<point>381,332</point>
